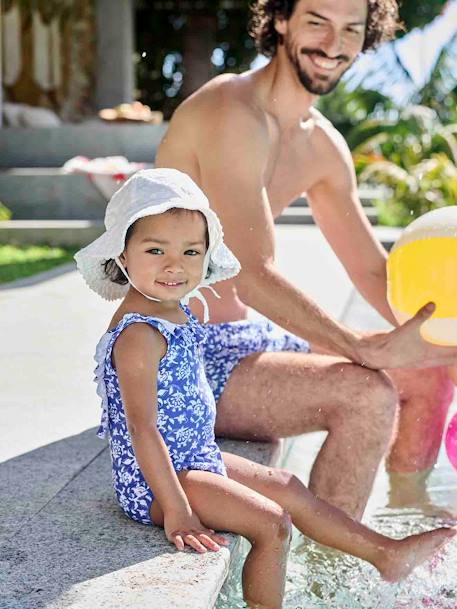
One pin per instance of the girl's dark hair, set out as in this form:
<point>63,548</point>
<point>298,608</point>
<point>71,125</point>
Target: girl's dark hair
<point>110,267</point>
<point>382,22</point>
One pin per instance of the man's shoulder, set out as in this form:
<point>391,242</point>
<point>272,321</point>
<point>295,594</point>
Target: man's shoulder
<point>324,128</point>
<point>224,98</point>
<point>328,140</point>
<point>215,123</point>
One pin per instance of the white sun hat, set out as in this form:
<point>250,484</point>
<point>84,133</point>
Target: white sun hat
<point>147,193</point>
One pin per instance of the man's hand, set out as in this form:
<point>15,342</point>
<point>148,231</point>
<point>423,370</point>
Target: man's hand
<point>185,528</point>
<point>404,347</point>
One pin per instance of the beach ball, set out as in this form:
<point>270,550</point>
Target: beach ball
<point>451,441</point>
<point>422,268</point>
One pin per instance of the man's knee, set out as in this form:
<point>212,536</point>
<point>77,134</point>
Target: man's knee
<point>371,399</point>
<point>384,396</point>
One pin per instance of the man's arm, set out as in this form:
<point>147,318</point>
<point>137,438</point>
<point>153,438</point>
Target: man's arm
<point>340,215</point>
<point>233,157</point>
<point>233,152</point>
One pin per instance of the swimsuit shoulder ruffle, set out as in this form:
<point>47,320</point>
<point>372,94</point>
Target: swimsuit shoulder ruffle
<point>104,347</point>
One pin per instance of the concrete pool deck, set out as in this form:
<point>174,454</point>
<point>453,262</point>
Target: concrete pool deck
<point>64,543</point>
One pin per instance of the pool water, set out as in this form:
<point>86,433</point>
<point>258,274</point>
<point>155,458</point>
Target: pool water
<point>320,578</point>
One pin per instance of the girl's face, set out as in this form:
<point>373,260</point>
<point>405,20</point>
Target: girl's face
<point>165,253</point>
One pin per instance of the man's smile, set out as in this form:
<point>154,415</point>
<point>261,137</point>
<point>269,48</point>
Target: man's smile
<point>323,63</point>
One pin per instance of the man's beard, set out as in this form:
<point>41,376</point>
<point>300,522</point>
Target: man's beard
<point>319,86</point>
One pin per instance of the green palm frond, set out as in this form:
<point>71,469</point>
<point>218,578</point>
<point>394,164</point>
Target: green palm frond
<point>429,184</point>
<point>443,79</point>
<point>388,174</point>
<point>369,134</point>
<point>447,134</point>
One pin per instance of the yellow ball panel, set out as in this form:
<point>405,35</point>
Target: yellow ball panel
<point>439,331</point>
<point>424,271</point>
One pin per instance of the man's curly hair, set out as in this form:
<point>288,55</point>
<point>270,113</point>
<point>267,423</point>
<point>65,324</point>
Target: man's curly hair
<point>382,22</point>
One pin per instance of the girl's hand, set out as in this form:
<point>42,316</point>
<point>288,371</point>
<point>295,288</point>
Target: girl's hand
<point>185,528</point>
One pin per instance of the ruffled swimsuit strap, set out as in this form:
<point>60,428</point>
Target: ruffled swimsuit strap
<point>198,330</point>
<point>103,355</point>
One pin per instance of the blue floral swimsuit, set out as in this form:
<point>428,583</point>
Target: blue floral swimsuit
<point>185,404</point>
<point>230,342</point>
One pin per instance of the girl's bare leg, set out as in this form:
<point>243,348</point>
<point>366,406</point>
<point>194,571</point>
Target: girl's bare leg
<point>227,505</point>
<point>330,526</point>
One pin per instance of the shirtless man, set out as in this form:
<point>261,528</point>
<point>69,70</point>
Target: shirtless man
<point>254,143</point>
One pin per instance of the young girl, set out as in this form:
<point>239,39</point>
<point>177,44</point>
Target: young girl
<point>162,242</point>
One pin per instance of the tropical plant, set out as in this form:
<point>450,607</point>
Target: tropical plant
<point>430,184</point>
<point>417,14</point>
<point>440,92</point>
<point>404,137</point>
<point>414,157</point>
<point>347,109</point>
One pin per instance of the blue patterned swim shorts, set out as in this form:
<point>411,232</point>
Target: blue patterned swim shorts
<point>228,343</point>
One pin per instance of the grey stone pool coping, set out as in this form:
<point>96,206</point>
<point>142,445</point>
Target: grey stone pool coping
<point>65,544</point>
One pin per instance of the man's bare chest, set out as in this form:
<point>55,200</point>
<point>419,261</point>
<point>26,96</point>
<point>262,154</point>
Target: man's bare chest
<point>294,167</point>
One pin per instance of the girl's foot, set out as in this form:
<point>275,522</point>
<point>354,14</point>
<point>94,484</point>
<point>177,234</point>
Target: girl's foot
<point>406,554</point>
